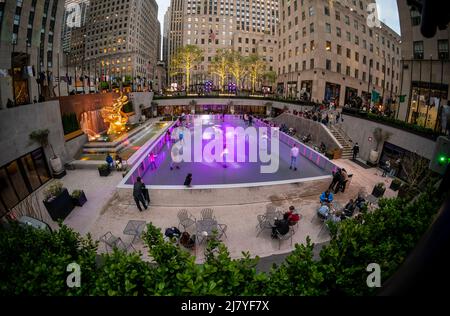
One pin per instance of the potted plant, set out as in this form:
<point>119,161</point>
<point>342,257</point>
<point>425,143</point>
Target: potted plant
<point>395,185</point>
<point>41,137</point>
<point>378,190</point>
<point>104,170</point>
<point>57,201</point>
<point>79,198</point>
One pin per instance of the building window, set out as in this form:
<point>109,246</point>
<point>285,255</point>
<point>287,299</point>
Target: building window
<point>311,11</point>
<point>443,49</point>
<point>338,67</point>
<point>418,50</point>
<point>327,28</point>
<point>338,32</point>
<point>328,46</point>
<point>311,63</point>
<point>327,10</point>
<point>416,18</point>
<point>328,65</point>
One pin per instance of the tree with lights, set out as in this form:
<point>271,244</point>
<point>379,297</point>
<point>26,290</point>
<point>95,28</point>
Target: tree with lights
<point>219,66</point>
<point>238,67</point>
<point>184,61</point>
<point>256,68</point>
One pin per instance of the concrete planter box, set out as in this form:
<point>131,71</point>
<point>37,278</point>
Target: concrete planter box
<point>60,207</point>
<point>378,192</point>
<point>80,201</point>
<point>104,172</point>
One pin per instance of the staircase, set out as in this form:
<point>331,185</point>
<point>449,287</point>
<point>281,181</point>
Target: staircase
<point>344,141</point>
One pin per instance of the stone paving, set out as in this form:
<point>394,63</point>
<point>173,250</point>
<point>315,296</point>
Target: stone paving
<point>105,212</point>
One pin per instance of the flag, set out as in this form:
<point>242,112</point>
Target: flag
<point>375,96</point>
<point>402,98</point>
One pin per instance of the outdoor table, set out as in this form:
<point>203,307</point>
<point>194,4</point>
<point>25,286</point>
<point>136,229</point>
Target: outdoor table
<point>134,228</point>
<point>272,220</point>
<point>208,226</point>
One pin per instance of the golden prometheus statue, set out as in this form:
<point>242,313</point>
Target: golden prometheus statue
<point>114,115</point>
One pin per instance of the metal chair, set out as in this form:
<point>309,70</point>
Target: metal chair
<point>114,242</point>
<point>186,219</point>
<point>287,236</point>
<point>263,224</point>
<point>207,213</point>
<point>222,230</point>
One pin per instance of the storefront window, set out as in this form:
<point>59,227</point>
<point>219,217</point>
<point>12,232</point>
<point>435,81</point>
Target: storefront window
<point>426,102</point>
<point>332,93</point>
<point>20,178</point>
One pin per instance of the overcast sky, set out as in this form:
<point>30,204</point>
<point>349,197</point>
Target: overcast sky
<point>387,9</point>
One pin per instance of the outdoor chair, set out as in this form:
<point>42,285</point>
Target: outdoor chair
<point>287,236</point>
<point>222,231</point>
<point>185,219</point>
<point>263,224</point>
<point>207,213</point>
<point>113,242</point>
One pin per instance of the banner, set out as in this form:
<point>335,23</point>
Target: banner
<point>375,96</point>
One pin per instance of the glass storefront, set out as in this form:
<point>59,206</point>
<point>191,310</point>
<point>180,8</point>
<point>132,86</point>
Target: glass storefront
<point>350,94</point>
<point>306,90</point>
<point>426,101</point>
<point>332,93</point>
<point>20,178</point>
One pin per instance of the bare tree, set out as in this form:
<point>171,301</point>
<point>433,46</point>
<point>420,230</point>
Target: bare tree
<point>415,168</point>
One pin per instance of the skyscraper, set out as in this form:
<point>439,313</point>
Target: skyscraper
<point>30,39</point>
<point>247,26</point>
<point>335,51</point>
<point>166,32</point>
<point>122,41</point>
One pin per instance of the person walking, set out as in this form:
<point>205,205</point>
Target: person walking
<point>294,156</point>
<point>387,168</point>
<point>355,151</point>
<point>139,195</point>
<point>336,179</point>
<point>109,161</point>
<point>188,180</point>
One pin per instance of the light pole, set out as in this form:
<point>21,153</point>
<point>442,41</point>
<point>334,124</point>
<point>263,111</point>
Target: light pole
<point>14,43</point>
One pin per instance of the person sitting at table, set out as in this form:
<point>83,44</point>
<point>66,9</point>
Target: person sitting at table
<point>349,209</point>
<point>323,212</point>
<point>281,226</point>
<point>187,241</point>
<point>336,217</point>
<point>293,216</point>
<point>119,163</point>
<point>360,201</point>
<point>326,197</point>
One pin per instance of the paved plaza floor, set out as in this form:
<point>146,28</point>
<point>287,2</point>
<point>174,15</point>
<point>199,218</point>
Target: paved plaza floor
<point>105,212</point>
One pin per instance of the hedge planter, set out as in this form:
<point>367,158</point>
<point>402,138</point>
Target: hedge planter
<point>104,170</point>
<point>378,191</point>
<point>79,199</point>
<point>60,206</point>
<point>395,185</point>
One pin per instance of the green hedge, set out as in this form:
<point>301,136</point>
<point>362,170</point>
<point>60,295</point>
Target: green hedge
<point>34,262</point>
<point>70,123</point>
<point>128,108</point>
<point>416,129</point>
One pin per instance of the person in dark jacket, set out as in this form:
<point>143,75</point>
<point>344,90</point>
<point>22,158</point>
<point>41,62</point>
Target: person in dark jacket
<point>336,179</point>
<point>281,226</point>
<point>355,151</point>
<point>138,194</point>
<point>188,180</point>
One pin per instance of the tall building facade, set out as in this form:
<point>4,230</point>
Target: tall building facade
<point>122,41</point>
<point>75,16</point>
<point>333,51</point>
<point>166,32</point>
<point>30,40</point>
<point>247,26</point>
<point>425,73</point>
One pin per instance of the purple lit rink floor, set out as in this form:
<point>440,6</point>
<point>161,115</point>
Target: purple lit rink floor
<point>235,173</point>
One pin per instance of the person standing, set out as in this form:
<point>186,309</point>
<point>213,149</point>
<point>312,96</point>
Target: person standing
<point>109,161</point>
<point>355,151</point>
<point>336,179</point>
<point>138,194</point>
<point>188,180</point>
<point>387,168</point>
<point>294,156</point>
